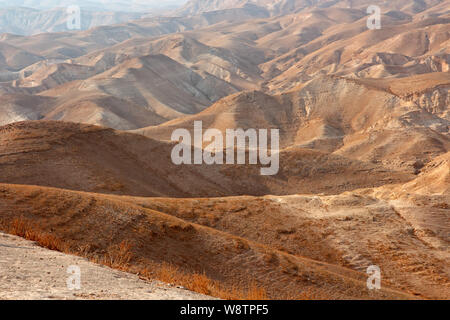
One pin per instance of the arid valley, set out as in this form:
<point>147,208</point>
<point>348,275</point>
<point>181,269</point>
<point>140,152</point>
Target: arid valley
<point>361,105</point>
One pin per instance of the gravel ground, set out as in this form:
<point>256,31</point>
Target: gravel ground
<point>28,271</point>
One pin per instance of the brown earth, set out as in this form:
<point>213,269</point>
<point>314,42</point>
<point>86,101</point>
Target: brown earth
<point>364,160</point>
<point>99,223</point>
<point>236,241</point>
<point>185,64</point>
<point>96,159</point>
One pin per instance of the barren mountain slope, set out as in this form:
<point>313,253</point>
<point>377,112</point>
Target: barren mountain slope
<point>100,224</point>
<point>237,67</point>
<point>14,59</point>
<point>408,239</point>
<point>95,159</point>
<point>90,158</point>
<point>223,52</point>
<point>364,146</point>
<point>27,21</point>
<point>362,120</point>
<point>20,107</point>
<point>155,86</point>
<point>42,75</point>
<point>399,49</point>
<point>67,45</point>
<point>434,179</point>
<point>279,7</point>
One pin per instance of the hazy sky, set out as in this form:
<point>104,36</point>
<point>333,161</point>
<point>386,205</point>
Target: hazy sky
<point>103,5</point>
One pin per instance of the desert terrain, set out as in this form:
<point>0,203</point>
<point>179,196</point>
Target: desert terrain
<point>86,124</point>
<point>31,272</point>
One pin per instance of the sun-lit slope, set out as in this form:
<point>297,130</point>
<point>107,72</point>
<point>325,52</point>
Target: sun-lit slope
<point>215,54</point>
<point>326,29</point>
<point>405,87</point>
<point>434,179</point>
<point>234,66</point>
<point>281,7</point>
<point>362,120</point>
<point>28,21</point>
<point>277,43</point>
<point>19,52</point>
<point>21,107</point>
<point>224,71</point>
<point>155,87</point>
<point>45,76</point>
<point>59,46</point>
<point>335,40</point>
<point>368,124</point>
<point>430,91</point>
<point>96,159</point>
<point>367,54</point>
<point>354,229</point>
<point>97,224</point>
<point>14,59</point>
<point>89,158</point>
<point>424,204</point>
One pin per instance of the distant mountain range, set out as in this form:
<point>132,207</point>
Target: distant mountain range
<point>27,21</point>
<point>282,7</point>
<point>95,5</point>
<point>87,117</point>
<point>34,17</point>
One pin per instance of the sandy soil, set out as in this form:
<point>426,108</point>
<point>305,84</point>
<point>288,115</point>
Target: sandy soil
<point>28,271</point>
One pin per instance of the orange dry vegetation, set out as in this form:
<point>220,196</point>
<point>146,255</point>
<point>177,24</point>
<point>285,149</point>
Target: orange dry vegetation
<point>201,283</point>
<point>364,173</point>
<point>129,237</point>
<point>119,257</point>
<point>25,229</point>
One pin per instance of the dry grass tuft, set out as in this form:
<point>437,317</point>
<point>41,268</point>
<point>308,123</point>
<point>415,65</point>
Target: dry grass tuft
<point>120,257</point>
<point>201,283</point>
<point>25,229</point>
<point>256,293</point>
<point>168,273</point>
<point>310,294</point>
<point>195,282</point>
<point>116,257</point>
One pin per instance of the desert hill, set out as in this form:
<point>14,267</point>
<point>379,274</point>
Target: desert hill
<point>282,7</point>
<point>79,93</point>
<point>434,179</point>
<point>100,224</point>
<point>353,229</point>
<point>59,46</point>
<point>97,159</point>
<point>166,90</point>
<point>363,120</point>
<point>28,21</point>
<point>87,117</point>
<point>58,151</point>
<point>232,66</point>
<point>220,53</point>
<point>15,59</point>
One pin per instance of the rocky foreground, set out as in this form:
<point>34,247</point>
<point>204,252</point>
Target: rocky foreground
<point>28,271</point>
